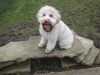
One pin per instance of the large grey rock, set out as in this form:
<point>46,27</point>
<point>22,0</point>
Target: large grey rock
<point>20,51</point>
<point>67,62</point>
<point>90,58</point>
<point>87,45</point>
<point>16,68</point>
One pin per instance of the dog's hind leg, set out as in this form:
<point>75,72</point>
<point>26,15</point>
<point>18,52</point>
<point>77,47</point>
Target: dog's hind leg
<point>64,45</point>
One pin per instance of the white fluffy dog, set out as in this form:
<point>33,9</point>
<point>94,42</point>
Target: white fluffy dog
<point>53,30</point>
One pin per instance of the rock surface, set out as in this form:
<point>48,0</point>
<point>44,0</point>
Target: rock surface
<point>90,71</point>
<point>93,57</point>
<point>20,51</point>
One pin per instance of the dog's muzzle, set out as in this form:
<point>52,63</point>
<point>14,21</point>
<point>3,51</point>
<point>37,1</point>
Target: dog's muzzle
<point>47,25</point>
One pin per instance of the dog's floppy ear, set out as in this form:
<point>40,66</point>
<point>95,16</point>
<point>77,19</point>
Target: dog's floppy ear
<point>58,17</point>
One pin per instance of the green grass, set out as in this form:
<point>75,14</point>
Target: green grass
<point>80,15</point>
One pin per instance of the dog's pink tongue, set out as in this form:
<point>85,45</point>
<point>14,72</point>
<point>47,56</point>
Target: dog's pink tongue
<point>47,22</point>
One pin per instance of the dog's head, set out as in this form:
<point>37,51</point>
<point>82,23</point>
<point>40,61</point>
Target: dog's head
<point>48,17</point>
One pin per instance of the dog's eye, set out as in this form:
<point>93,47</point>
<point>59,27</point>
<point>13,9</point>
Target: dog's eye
<point>43,14</point>
<point>51,15</point>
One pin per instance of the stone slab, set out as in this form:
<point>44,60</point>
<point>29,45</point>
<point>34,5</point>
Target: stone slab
<point>87,45</point>
<point>90,71</point>
<point>97,60</point>
<point>5,64</point>
<point>20,51</point>
<point>16,68</point>
<point>90,58</point>
<point>68,62</point>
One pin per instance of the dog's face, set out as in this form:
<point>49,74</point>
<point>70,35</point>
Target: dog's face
<point>48,17</point>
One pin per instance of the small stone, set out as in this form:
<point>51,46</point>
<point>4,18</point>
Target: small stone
<point>90,58</point>
<point>16,68</point>
<point>5,64</point>
<point>68,62</point>
<point>97,60</point>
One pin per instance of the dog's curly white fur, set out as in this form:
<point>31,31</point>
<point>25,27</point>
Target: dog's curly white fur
<point>53,30</point>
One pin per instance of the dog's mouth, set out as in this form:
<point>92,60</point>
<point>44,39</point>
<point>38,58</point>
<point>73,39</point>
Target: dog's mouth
<point>47,26</point>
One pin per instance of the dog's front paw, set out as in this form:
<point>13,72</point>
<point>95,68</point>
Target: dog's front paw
<point>47,51</point>
<point>40,45</point>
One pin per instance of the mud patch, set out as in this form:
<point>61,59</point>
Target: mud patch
<point>6,38</point>
<point>21,26</point>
